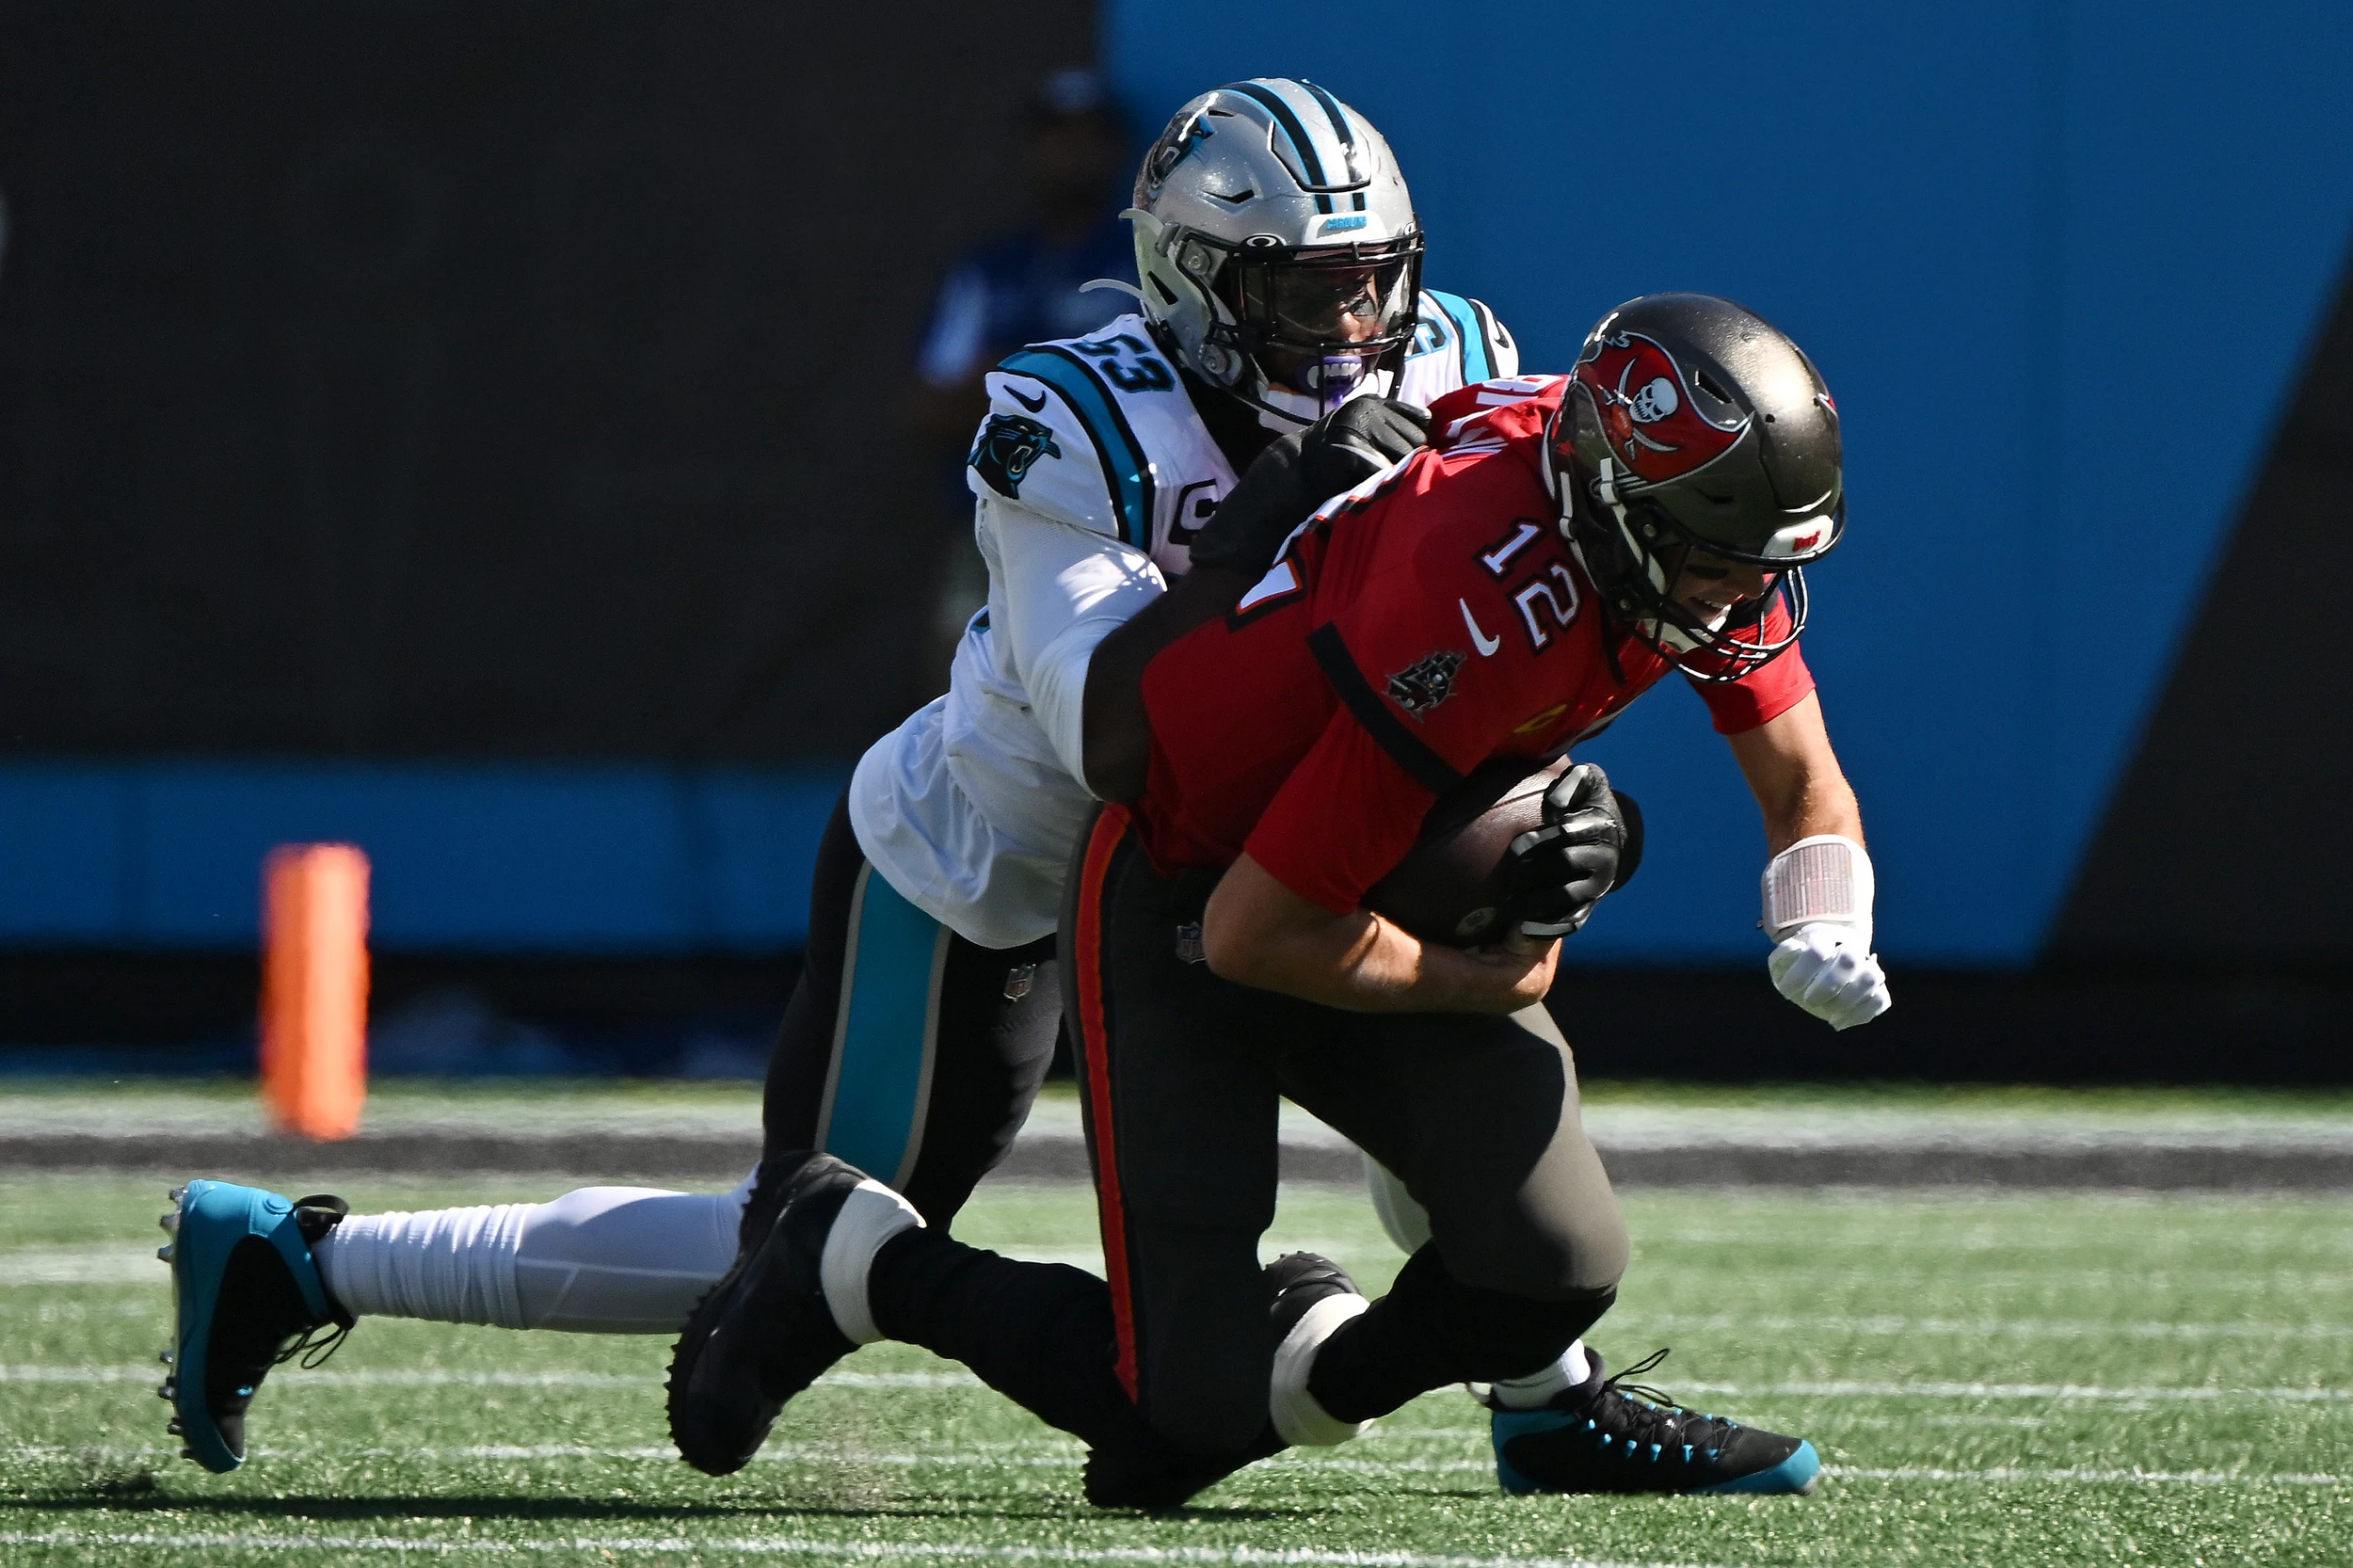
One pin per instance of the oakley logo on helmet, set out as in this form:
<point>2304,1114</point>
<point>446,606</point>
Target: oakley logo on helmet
<point>1646,409</point>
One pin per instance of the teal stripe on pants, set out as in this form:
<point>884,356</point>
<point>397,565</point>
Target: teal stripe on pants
<point>884,1035</point>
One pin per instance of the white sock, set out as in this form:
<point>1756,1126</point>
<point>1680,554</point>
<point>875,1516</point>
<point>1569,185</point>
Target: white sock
<point>870,1215</point>
<point>1539,1386</point>
<point>1303,1422</point>
<point>598,1260</point>
<point>448,1265</point>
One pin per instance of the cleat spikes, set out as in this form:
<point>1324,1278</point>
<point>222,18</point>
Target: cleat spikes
<point>165,1391</point>
<point>163,1253</point>
<point>173,1429</point>
<point>164,1356</point>
<point>175,1195</point>
<point>170,1220</point>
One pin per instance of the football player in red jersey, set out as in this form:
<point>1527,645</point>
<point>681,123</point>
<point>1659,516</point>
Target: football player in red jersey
<point>1565,543</point>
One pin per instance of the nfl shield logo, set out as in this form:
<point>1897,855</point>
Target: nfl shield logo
<point>1188,943</point>
<point>1018,981</point>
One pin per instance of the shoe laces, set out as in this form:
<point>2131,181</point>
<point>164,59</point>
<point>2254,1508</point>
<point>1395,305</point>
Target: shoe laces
<point>312,1348</point>
<point>1647,1415</point>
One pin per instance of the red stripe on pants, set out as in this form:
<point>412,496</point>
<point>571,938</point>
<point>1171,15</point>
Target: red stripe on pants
<point>1111,827</point>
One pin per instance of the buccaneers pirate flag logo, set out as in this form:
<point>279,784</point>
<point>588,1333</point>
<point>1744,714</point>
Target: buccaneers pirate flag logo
<point>1645,405</point>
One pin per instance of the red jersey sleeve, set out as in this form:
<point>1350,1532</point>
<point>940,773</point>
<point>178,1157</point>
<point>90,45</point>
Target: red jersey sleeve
<point>1345,816</point>
<point>1764,695</point>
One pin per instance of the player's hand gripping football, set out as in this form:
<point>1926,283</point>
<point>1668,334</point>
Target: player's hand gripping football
<point>1297,474</point>
<point>1818,910</point>
<point>1589,843</point>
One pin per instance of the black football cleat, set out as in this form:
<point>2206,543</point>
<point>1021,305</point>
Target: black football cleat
<point>1612,1435</point>
<point>246,1296</point>
<point>1152,1474</point>
<point>763,1333</point>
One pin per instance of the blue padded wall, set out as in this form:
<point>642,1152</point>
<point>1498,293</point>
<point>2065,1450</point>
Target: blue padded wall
<point>2058,263</point>
<point>464,858</point>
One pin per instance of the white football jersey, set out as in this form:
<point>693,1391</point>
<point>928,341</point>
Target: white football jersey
<point>1093,446</point>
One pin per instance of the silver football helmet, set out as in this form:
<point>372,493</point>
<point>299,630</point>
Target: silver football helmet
<point>1277,249</point>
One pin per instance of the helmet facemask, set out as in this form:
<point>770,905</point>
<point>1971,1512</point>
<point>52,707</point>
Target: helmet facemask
<point>1634,551</point>
<point>1318,321</point>
<point>1692,430</point>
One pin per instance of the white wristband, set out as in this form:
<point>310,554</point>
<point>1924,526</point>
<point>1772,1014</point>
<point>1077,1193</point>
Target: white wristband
<point>1827,877</point>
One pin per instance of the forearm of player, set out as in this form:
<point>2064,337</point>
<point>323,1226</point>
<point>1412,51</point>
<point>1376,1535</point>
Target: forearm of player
<point>1116,735</point>
<point>1258,932</point>
<point>1818,885</point>
<point>1800,791</point>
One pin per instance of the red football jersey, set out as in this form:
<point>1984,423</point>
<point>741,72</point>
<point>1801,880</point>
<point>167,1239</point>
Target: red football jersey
<point>1429,621</point>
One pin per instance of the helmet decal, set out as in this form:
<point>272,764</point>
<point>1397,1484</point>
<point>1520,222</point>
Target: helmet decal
<point>1646,409</point>
<point>1182,138</point>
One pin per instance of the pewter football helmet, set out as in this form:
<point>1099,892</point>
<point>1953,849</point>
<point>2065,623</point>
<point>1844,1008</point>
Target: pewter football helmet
<point>1692,423</point>
<point>1277,246</point>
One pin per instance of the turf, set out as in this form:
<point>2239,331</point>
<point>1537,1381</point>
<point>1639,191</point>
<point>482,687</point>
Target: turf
<point>2013,1379</point>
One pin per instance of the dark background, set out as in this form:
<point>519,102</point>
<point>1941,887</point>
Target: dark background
<point>453,380</point>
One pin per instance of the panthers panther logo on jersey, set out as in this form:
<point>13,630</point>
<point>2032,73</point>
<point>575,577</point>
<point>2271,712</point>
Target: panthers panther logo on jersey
<point>1008,447</point>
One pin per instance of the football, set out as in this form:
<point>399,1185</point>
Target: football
<point>1447,889</point>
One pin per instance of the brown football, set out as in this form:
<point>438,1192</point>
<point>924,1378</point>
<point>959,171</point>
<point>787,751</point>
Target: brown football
<point>1446,890</point>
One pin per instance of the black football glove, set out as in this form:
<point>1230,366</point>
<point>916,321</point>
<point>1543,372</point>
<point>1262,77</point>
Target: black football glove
<point>1297,474</point>
<point>1589,843</point>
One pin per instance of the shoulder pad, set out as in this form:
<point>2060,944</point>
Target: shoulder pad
<point>1459,342</point>
<point>1102,478</point>
<point>1032,449</point>
<point>1487,417</point>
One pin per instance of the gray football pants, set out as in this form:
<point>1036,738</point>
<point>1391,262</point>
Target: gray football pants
<point>1182,1073</point>
<point>1167,1362</point>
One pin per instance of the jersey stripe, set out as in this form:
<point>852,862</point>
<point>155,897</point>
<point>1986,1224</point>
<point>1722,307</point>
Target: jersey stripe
<point>1127,473</point>
<point>1477,364</point>
<point>1408,750</point>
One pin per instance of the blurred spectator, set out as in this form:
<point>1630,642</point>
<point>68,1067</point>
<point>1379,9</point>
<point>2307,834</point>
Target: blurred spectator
<point>1022,286</point>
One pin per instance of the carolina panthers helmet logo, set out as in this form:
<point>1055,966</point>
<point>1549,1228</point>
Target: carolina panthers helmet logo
<point>1009,445</point>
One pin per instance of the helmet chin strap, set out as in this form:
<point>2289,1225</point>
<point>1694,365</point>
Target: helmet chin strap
<point>1307,407</point>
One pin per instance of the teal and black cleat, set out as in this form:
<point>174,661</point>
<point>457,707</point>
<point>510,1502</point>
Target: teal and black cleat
<point>1612,1435</point>
<point>246,1295</point>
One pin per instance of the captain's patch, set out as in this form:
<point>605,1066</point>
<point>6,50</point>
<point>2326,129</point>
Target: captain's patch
<point>1426,682</point>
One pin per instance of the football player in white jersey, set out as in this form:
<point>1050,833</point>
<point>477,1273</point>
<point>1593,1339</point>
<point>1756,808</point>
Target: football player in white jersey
<point>1281,318</point>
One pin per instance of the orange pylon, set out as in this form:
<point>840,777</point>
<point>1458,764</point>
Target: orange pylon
<point>315,988</point>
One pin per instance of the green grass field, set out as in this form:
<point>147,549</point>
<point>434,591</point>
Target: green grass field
<point>2005,1380</point>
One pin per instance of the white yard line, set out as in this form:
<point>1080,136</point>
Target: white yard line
<point>788,1545</point>
<point>2158,1477</point>
<point>1058,1456</point>
<point>434,1377</point>
<point>2020,1328</point>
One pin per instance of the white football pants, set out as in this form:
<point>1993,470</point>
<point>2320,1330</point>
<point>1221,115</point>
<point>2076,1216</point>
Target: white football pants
<point>598,1260</point>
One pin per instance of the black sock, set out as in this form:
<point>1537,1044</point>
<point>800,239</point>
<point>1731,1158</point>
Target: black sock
<point>1038,1333</point>
<point>1431,1330</point>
